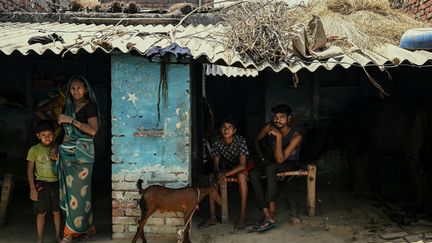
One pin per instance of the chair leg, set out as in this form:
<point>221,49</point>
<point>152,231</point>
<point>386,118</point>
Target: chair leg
<point>224,198</point>
<point>311,179</point>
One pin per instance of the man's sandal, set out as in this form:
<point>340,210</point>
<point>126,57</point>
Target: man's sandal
<point>266,225</point>
<point>258,223</point>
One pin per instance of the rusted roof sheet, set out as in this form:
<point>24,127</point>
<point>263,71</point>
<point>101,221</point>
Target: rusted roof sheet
<point>218,70</point>
<point>203,41</point>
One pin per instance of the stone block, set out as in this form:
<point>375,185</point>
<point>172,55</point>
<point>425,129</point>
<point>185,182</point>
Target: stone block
<point>133,212</point>
<point>155,221</point>
<point>117,177</point>
<point>125,235</point>
<point>165,214</point>
<point>117,195</point>
<point>132,228</point>
<point>118,228</point>
<point>124,220</point>
<point>115,203</point>
<point>132,195</point>
<point>132,178</point>
<point>174,221</point>
<point>128,204</point>
<point>117,186</point>
<point>117,212</point>
<point>165,229</point>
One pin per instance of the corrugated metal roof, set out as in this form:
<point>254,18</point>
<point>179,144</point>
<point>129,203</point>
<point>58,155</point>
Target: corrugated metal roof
<point>203,41</point>
<point>212,69</point>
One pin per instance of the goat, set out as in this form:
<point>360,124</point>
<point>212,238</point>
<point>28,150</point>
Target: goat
<point>159,198</point>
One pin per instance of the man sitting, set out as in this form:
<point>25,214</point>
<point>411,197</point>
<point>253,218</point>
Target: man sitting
<point>285,143</point>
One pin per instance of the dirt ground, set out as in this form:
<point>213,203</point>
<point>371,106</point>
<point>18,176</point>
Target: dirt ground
<point>340,217</point>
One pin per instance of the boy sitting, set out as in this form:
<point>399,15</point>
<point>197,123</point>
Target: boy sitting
<point>230,154</point>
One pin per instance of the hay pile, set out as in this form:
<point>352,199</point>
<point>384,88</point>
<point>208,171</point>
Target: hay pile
<point>264,29</point>
<point>109,7</point>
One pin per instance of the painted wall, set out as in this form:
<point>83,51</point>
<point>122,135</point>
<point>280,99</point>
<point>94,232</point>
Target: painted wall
<point>157,151</point>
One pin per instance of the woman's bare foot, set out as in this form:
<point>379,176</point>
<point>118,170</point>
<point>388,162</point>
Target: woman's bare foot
<point>66,239</point>
<point>90,233</point>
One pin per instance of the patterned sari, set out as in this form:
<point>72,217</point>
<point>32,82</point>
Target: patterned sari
<point>75,173</point>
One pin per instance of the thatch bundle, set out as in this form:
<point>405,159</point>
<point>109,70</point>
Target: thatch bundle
<point>265,29</point>
<point>369,23</point>
<point>262,30</point>
<point>351,6</point>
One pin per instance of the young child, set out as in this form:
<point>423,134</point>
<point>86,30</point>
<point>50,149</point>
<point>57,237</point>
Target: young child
<point>44,189</point>
<point>230,159</point>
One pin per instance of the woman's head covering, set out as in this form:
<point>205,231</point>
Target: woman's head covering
<point>69,103</point>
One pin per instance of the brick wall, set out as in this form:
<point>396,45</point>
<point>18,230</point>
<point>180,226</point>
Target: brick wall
<point>126,212</point>
<point>23,5</point>
<point>143,148</point>
<point>420,9</point>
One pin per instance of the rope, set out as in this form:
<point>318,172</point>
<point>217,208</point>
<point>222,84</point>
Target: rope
<point>180,233</point>
<point>375,83</point>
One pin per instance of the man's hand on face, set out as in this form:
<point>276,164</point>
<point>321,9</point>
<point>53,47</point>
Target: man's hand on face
<point>274,131</point>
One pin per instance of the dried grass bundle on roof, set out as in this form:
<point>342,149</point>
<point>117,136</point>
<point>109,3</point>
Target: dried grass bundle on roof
<point>262,30</point>
<point>351,6</point>
<point>265,29</point>
<point>86,4</point>
<point>367,23</point>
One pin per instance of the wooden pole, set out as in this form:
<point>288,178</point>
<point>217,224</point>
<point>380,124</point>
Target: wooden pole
<point>6,195</point>
<point>311,179</point>
<point>224,198</point>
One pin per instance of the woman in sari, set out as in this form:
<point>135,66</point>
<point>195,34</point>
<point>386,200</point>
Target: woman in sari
<point>80,122</point>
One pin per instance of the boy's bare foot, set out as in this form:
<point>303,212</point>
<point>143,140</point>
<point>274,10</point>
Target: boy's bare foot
<point>241,220</point>
<point>39,241</point>
<point>241,224</point>
<point>58,239</point>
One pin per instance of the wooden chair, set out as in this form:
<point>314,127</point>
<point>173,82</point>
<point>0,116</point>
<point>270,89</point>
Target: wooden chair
<point>310,175</point>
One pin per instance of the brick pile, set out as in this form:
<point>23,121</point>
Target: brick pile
<point>419,9</point>
<point>163,4</point>
<point>23,5</point>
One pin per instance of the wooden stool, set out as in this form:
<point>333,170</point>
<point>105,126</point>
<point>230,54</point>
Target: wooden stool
<point>310,174</point>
